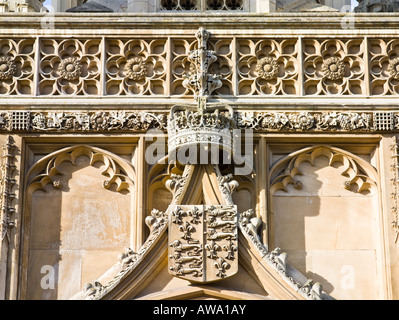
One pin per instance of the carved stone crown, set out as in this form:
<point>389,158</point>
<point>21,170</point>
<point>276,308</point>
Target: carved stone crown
<point>208,126</point>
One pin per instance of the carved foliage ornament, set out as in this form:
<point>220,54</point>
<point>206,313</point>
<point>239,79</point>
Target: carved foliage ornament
<point>395,181</point>
<point>216,121</point>
<point>305,121</point>
<point>7,183</point>
<point>97,121</point>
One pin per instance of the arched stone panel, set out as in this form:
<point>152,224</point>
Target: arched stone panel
<point>324,213</point>
<point>88,218</point>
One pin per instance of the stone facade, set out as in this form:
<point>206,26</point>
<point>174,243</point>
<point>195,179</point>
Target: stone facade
<point>195,155</point>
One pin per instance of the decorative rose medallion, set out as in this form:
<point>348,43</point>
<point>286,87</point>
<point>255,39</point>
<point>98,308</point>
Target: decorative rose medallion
<point>135,69</point>
<point>393,68</point>
<point>267,68</point>
<point>333,68</point>
<point>7,68</point>
<point>70,69</point>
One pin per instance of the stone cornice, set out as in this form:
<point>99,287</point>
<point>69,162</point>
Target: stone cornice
<point>94,22</point>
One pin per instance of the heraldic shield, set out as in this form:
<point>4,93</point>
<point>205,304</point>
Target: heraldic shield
<point>203,244</point>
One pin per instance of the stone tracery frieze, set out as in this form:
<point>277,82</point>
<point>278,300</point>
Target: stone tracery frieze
<point>17,65</point>
<point>70,67</point>
<point>384,70</point>
<point>136,67</point>
<point>166,65</point>
<point>334,67</point>
<point>268,67</point>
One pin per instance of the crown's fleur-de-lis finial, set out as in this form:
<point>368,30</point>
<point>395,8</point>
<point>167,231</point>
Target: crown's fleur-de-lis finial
<point>199,79</point>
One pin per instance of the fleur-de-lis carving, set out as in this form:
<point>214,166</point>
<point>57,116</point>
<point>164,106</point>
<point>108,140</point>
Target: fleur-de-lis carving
<point>187,229</point>
<point>230,249</point>
<point>222,266</point>
<point>212,248</point>
<point>195,215</point>
<point>177,215</point>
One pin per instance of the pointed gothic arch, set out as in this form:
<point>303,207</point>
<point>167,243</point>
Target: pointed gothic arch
<point>43,172</point>
<point>357,170</point>
<point>46,176</point>
<point>321,196</point>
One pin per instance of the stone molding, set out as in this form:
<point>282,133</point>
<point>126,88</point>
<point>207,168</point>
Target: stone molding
<point>248,224</point>
<point>293,21</point>
<point>141,121</point>
<point>395,187</point>
<point>7,184</point>
<point>81,121</point>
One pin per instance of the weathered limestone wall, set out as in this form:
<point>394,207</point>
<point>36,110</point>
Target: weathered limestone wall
<point>97,85</point>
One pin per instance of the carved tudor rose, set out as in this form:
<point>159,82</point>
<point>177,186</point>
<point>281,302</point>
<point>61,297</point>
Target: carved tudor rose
<point>135,69</point>
<point>70,69</point>
<point>333,68</point>
<point>267,68</point>
<point>7,68</point>
<point>205,249</point>
<point>393,68</point>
